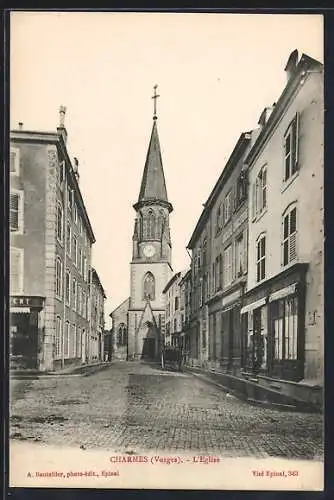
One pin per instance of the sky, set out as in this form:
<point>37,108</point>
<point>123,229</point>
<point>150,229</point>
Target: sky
<point>215,75</point>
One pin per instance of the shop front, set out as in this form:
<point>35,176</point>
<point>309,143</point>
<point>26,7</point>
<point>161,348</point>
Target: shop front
<point>26,329</point>
<point>273,326</point>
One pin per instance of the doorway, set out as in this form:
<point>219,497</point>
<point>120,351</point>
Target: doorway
<point>24,340</point>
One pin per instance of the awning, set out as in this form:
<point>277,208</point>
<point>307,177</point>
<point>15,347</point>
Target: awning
<point>253,305</point>
<point>284,292</point>
<point>19,310</point>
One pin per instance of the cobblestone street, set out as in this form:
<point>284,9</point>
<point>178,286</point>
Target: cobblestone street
<point>136,407</point>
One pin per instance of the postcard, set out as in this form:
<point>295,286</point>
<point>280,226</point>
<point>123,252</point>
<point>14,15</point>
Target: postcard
<point>166,250</point>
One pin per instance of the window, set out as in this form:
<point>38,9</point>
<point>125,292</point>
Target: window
<point>58,338</point>
<point>67,288</point>
<point>289,236</point>
<point>75,250</point>
<point>149,287</point>
<point>84,304</point>
<point>16,211</point>
<point>79,300</point>
<point>67,340</point>
<point>219,219</point>
<point>227,207</point>
<point>151,225</point>
<point>80,226</point>
<point>72,345</point>
<point>241,188</point>
<point>74,293</point>
<point>285,322</point>
<point>228,266</point>
<point>14,161</point>
<point>261,258</point>
<point>61,172</point>
<point>75,213</point>
<point>175,325</point>
<point>122,335</point>
<point>240,251</point>
<point>79,263</point>
<point>16,271</point>
<point>60,222</point>
<point>68,238</point>
<point>70,197</point>
<point>85,269</point>
<point>78,343</point>
<point>59,278</point>
<point>260,192</point>
<point>291,137</point>
<point>176,303</point>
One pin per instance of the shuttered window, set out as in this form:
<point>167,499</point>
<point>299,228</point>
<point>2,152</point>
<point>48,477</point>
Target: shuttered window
<point>58,339</point>
<point>291,146</point>
<point>290,235</point>
<point>67,340</point>
<point>16,211</point>
<point>59,277</point>
<point>16,271</point>
<point>14,161</point>
<point>261,258</point>
<point>228,266</point>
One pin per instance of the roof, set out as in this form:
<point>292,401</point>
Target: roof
<point>236,154</point>
<point>120,305</point>
<point>153,184</point>
<point>171,281</point>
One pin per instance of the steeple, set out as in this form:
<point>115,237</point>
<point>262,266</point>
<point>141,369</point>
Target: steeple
<point>153,186</point>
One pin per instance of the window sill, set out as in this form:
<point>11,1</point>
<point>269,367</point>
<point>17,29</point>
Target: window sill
<point>289,181</point>
<point>260,215</point>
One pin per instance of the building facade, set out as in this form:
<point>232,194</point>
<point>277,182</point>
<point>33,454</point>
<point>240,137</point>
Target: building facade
<point>173,313</point>
<point>219,267</point>
<point>283,310</point>
<point>50,253</point>
<point>98,297</point>
<point>119,330</point>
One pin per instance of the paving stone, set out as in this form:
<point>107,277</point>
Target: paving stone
<point>137,406</point>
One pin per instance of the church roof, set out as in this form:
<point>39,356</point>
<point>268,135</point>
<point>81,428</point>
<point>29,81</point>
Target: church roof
<point>153,185</point>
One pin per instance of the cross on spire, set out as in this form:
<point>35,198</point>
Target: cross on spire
<point>155,97</point>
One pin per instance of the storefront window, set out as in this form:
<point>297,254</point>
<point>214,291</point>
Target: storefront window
<point>285,321</point>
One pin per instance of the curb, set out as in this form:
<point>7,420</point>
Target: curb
<point>254,402</point>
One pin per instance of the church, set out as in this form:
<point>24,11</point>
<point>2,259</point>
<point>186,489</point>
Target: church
<point>138,323</point>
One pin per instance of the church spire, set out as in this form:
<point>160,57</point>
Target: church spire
<point>153,185</point>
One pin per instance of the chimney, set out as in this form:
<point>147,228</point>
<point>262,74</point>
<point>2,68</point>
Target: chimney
<point>20,125</point>
<point>265,115</point>
<point>61,127</point>
<point>291,65</point>
<point>76,168</point>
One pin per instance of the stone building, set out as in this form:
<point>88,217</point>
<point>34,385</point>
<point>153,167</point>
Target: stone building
<point>120,330</point>
<point>50,253</point>
<point>219,267</point>
<point>150,267</point>
<point>185,305</point>
<point>97,296</point>
<point>283,308</point>
<point>173,314</point>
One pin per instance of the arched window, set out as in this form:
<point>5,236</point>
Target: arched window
<point>151,225</point>
<point>261,257</point>
<point>122,335</point>
<point>161,223</point>
<point>149,287</point>
<point>60,220</point>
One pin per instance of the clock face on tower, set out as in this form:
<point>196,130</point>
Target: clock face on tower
<point>149,250</point>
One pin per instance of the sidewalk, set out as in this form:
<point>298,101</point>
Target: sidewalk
<point>253,392</point>
<point>71,371</point>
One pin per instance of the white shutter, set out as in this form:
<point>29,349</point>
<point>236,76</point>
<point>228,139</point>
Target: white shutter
<point>296,145</point>
<point>253,200</point>
<point>292,247</point>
